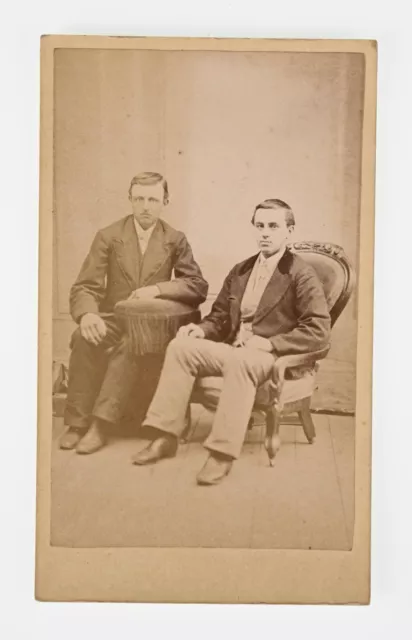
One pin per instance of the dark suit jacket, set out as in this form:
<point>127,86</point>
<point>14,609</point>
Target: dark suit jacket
<point>292,313</point>
<point>115,267</point>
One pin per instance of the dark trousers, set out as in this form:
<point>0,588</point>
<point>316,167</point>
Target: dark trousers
<point>101,378</point>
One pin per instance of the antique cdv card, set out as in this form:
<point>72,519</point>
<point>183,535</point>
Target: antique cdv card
<point>205,321</point>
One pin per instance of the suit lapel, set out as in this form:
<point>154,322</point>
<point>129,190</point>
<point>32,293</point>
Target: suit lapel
<point>243,278</point>
<point>157,252</point>
<point>276,287</point>
<point>238,289</point>
<point>128,252</point>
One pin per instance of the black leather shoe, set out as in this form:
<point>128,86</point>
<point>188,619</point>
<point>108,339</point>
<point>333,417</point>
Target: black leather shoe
<point>71,438</point>
<point>216,467</point>
<point>163,447</point>
<point>94,440</point>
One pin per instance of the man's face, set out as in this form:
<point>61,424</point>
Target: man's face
<point>272,234</point>
<point>147,203</point>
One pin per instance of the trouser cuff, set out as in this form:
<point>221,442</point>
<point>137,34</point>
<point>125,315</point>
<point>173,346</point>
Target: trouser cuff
<point>76,419</point>
<point>224,450</point>
<point>164,429</point>
<point>79,423</point>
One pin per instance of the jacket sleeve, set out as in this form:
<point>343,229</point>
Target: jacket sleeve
<point>188,284</point>
<point>312,330</point>
<point>217,324</point>
<point>90,287</point>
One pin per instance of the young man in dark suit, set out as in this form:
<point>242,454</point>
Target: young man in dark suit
<point>270,305</point>
<point>133,257</point>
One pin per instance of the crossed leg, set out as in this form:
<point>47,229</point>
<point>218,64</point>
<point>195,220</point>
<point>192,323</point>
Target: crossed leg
<point>242,369</point>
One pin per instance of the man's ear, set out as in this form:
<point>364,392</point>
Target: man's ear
<point>291,230</point>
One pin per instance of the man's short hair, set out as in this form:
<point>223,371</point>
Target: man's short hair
<point>149,178</point>
<point>274,203</point>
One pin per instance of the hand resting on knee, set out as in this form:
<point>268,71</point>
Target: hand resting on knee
<point>93,328</point>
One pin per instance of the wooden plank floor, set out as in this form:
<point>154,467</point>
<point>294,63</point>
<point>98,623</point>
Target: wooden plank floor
<point>305,501</point>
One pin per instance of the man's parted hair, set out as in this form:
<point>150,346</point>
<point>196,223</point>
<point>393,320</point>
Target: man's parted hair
<point>273,203</point>
<point>149,178</point>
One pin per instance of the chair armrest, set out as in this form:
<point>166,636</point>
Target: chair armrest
<point>297,360</point>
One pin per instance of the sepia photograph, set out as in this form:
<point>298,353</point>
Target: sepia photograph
<point>207,215</point>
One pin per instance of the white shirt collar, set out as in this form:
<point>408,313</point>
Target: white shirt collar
<point>272,262</point>
<point>143,233</point>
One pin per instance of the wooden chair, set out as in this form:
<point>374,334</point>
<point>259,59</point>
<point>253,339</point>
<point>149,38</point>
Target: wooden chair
<point>293,382</point>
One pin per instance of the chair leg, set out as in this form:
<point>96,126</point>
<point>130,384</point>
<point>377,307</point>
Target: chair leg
<point>307,421</point>
<point>189,428</point>
<point>272,439</point>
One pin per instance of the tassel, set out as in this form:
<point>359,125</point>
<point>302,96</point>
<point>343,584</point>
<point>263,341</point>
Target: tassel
<point>150,330</point>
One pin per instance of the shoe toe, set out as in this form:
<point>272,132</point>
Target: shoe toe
<point>70,439</point>
<point>155,451</point>
<point>142,457</point>
<point>213,471</point>
<point>91,443</point>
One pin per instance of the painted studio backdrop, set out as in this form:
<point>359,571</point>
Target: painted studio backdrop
<point>227,130</point>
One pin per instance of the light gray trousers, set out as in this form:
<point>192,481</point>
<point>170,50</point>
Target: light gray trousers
<point>242,369</point>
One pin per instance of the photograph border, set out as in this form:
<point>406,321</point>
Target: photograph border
<point>207,575</point>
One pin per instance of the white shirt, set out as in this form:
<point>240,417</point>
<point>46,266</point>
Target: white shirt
<point>143,235</point>
<point>262,271</point>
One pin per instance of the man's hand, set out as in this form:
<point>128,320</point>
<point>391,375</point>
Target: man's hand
<point>145,293</point>
<point>191,331</point>
<point>257,342</point>
<point>93,328</point>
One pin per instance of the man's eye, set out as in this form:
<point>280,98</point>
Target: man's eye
<point>152,200</point>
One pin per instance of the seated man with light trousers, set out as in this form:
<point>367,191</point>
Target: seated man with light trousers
<point>270,305</point>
